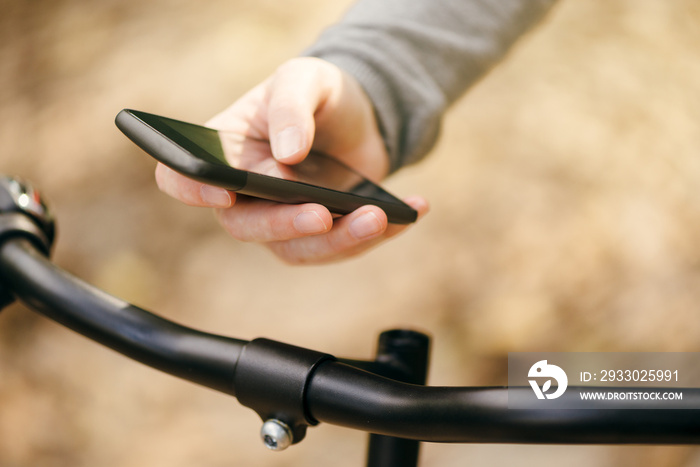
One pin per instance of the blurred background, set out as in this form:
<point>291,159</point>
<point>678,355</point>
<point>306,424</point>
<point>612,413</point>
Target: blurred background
<point>565,217</point>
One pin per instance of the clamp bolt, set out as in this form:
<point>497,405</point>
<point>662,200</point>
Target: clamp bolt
<point>276,435</point>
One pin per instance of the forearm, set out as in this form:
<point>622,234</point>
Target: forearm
<point>415,58</point>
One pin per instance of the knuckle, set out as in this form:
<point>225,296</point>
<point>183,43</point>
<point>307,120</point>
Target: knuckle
<point>231,224</point>
<point>258,225</point>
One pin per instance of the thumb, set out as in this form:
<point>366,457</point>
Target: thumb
<point>295,93</point>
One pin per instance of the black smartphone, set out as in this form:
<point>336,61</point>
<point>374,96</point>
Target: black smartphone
<point>245,165</point>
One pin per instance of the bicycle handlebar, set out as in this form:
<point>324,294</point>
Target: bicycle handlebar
<point>205,359</point>
<point>332,391</point>
<point>342,395</point>
<point>296,387</point>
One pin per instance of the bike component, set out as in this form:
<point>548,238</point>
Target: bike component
<point>345,396</point>
<point>402,355</point>
<point>271,378</point>
<point>276,435</point>
<point>203,358</point>
<point>306,387</point>
<point>23,213</point>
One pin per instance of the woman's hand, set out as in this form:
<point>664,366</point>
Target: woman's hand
<point>307,103</point>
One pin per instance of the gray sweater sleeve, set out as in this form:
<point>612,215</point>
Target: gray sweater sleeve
<point>416,57</point>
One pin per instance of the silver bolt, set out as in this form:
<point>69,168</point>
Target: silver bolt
<point>276,435</point>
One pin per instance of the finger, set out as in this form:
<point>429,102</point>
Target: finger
<point>192,192</point>
<point>255,220</point>
<point>351,235</point>
<point>295,93</point>
<point>347,236</point>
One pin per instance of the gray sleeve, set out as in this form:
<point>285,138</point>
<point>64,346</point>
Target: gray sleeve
<point>416,57</point>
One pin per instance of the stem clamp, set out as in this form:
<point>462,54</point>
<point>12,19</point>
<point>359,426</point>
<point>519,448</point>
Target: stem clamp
<point>271,378</point>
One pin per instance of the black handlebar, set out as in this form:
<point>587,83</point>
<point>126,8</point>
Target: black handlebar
<point>331,391</point>
<point>196,356</point>
<point>342,395</point>
<point>295,387</point>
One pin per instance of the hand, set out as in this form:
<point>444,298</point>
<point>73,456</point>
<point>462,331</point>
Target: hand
<point>307,103</point>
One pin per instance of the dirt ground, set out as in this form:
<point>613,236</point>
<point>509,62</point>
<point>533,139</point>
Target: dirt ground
<point>565,217</point>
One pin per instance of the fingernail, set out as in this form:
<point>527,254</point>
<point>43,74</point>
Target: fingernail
<point>365,226</point>
<point>287,143</point>
<point>309,222</point>
<point>215,197</point>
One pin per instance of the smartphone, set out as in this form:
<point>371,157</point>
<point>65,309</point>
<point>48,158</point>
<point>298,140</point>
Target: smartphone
<point>244,165</point>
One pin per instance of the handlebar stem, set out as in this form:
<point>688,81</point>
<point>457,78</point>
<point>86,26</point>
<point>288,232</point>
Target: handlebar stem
<point>401,355</point>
